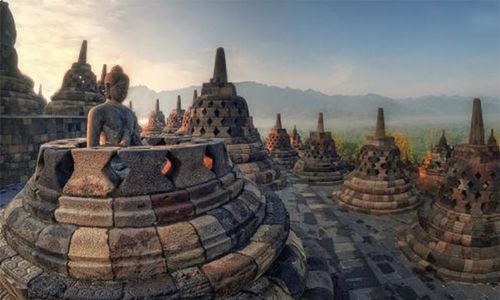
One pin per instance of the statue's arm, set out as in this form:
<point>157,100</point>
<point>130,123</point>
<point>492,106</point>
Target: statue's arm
<point>94,126</point>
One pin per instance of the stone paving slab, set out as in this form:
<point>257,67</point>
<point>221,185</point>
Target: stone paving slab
<point>361,252</point>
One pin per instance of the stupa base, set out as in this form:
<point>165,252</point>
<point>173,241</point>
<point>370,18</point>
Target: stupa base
<point>376,208</point>
<point>431,255</point>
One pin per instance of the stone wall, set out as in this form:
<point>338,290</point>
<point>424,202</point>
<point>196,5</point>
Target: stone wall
<point>21,137</point>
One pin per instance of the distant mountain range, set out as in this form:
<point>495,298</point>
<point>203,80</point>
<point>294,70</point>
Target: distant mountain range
<point>300,107</point>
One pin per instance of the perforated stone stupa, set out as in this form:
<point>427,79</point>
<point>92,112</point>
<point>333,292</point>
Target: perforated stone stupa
<point>156,121</point>
<point>78,92</point>
<point>17,96</point>
<point>174,119</point>
<point>379,184</point>
<point>186,118</point>
<point>431,172</point>
<point>320,163</point>
<point>457,234</point>
<point>296,141</point>
<point>102,221</point>
<point>279,147</point>
<point>220,112</point>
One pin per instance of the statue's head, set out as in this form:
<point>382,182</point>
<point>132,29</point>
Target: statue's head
<point>116,84</point>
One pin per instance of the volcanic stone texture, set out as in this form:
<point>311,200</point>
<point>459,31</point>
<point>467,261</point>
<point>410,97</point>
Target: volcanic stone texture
<point>279,147</point>
<point>320,164</point>
<point>220,113</point>
<point>379,184</point>
<point>457,235</point>
<point>78,92</point>
<point>143,222</point>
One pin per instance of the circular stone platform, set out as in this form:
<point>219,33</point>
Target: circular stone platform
<point>142,222</point>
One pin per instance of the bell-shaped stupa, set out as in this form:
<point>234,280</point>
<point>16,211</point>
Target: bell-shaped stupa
<point>112,219</point>
<point>174,119</point>
<point>320,163</point>
<point>457,235</point>
<point>79,91</point>
<point>186,118</point>
<point>279,147</point>
<point>219,112</point>
<point>296,141</point>
<point>379,184</point>
<point>156,121</point>
<point>17,96</point>
<point>431,171</point>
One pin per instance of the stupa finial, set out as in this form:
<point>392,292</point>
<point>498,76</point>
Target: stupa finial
<point>492,141</point>
<point>476,135</point>
<point>220,71</point>
<point>82,58</point>
<point>278,122</point>
<point>104,72</point>
<point>195,94</point>
<point>321,125</point>
<point>380,129</point>
<point>179,102</point>
<point>40,90</point>
<point>442,141</point>
<point>157,106</point>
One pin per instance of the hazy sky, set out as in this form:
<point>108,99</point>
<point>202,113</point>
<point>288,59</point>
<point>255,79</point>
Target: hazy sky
<point>394,48</point>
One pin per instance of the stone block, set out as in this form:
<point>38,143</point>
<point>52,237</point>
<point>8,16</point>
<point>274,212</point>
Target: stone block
<point>192,283</point>
<point>171,207</point>
<point>144,171</point>
<point>94,290</point>
<point>220,158</point>
<point>212,236</point>
<point>230,273</point>
<point>92,175</point>
<point>52,247</point>
<point>158,287</point>
<point>20,270</point>
<point>133,211</point>
<point>207,196</point>
<point>188,167</point>
<point>96,212</point>
<point>136,252</point>
<point>48,286</point>
<point>54,168</point>
<point>263,255</point>
<point>181,245</point>
<point>89,254</point>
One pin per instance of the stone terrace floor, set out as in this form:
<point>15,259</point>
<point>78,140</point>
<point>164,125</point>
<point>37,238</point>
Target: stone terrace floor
<point>362,257</point>
<point>355,254</point>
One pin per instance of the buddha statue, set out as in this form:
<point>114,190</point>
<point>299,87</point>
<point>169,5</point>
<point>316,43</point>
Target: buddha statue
<point>112,123</point>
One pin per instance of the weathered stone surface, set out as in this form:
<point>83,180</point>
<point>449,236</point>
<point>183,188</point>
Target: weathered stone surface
<point>133,211</point>
<point>92,175</point>
<point>207,196</point>
<point>54,168</point>
<point>48,286</point>
<point>21,271</point>
<point>135,252</point>
<point>181,245</point>
<point>52,247</point>
<point>85,211</point>
<point>158,287</point>
<point>192,283</point>
<point>144,167</point>
<point>212,236</point>
<point>228,274</point>
<point>94,290</point>
<point>262,253</point>
<point>89,254</point>
<point>279,147</point>
<point>171,207</point>
<point>188,166</point>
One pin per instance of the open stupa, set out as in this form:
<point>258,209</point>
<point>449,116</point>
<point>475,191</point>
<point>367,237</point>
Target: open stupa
<point>279,147</point>
<point>174,119</point>
<point>431,171</point>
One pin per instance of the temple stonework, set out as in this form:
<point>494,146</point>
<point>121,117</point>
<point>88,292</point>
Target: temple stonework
<point>174,119</point>
<point>320,163</point>
<point>379,184</point>
<point>78,92</point>
<point>156,121</point>
<point>186,118</point>
<point>17,96</point>
<point>279,147</point>
<point>220,113</point>
<point>457,234</point>
<point>296,141</point>
<point>431,171</point>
